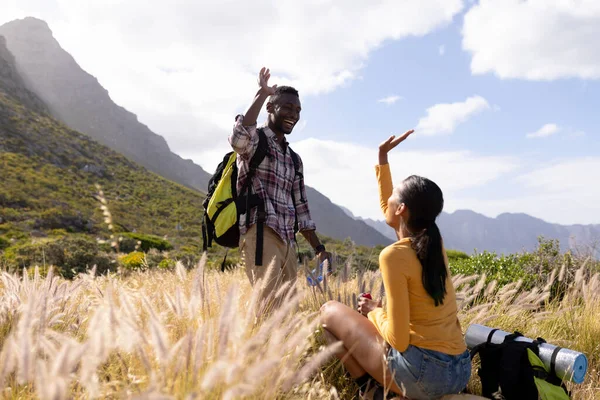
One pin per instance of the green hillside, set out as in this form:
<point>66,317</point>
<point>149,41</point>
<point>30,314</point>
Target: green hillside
<point>49,177</point>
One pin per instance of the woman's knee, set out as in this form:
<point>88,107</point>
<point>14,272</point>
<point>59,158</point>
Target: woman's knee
<point>329,310</point>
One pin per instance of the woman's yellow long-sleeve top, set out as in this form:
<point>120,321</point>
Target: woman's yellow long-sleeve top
<point>411,316</point>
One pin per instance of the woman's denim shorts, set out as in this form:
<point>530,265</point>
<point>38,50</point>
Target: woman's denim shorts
<point>429,374</point>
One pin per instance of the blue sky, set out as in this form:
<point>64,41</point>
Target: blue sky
<point>414,69</point>
<point>475,78</point>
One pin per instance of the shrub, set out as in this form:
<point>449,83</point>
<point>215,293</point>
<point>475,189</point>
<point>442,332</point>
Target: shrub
<point>80,254</point>
<point>43,271</point>
<point>133,261</point>
<point>5,227</point>
<point>11,232</point>
<point>55,218</point>
<point>127,244</point>
<point>455,255</point>
<point>503,269</point>
<point>4,243</point>
<point>232,261</point>
<point>72,254</point>
<point>533,268</point>
<point>57,232</point>
<point>149,241</point>
<point>167,264</point>
<point>154,258</point>
<point>188,255</point>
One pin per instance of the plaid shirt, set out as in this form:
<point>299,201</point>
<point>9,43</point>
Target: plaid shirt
<point>273,182</point>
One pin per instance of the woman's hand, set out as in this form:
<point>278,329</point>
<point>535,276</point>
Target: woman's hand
<point>366,305</point>
<point>389,144</point>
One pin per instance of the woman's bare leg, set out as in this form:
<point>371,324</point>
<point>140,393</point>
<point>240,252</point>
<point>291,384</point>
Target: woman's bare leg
<point>350,363</point>
<point>364,349</point>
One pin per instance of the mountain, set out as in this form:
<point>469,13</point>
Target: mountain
<point>467,231</point>
<point>49,176</point>
<point>381,227</point>
<point>77,98</point>
<point>333,221</point>
<point>12,83</point>
<point>347,212</point>
<point>512,231</point>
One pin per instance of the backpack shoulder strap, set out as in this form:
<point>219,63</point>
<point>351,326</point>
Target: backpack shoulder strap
<point>478,348</point>
<point>300,175</point>
<point>261,150</point>
<point>296,161</point>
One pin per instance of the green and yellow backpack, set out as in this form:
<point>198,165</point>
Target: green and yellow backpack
<point>224,205</point>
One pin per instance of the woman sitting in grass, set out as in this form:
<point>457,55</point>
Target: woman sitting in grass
<point>418,333</point>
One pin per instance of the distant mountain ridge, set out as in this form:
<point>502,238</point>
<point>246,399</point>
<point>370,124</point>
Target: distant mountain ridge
<point>77,98</point>
<point>467,231</point>
<point>510,232</point>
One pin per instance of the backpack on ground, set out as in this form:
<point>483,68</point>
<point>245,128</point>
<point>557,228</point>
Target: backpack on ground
<point>224,205</point>
<point>514,370</point>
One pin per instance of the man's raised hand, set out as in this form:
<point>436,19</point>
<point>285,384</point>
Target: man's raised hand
<point>263,81</point>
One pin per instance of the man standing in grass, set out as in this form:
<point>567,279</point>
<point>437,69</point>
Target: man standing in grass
<point>270,229</point>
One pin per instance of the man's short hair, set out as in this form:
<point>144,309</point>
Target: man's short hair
<point>280,90</point>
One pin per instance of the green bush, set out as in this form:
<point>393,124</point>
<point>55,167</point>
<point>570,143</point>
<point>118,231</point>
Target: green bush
<point>455,255</point>
<point>167,264</point>
<point>232,261</point>
<point>72,254</point>
<point>546,257</point>
<point>23,256</point>
<point>503,269</point>
<point>55,218</point>
<point>149,241</point>
<point>4,243</point>
<point>154,258</point>
<point>80,254</point>
<point>188,255</point>
<point>533,267</point>
<point>58,232</point>
<point>43,271</point>
<point>127,244</point>
<point>133,261</point>
<point>5,227</point>
<point>11,232</point>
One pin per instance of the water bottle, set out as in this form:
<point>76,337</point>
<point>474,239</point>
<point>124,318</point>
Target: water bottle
<point>317,273</point>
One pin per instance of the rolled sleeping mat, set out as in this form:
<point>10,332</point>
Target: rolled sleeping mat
<point>570,365</point>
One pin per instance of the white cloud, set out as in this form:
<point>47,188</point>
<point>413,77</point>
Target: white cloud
<point>390,99</point>
<point>544,131</point>
<point>187,67</point>
<point>535,39</point>
<point>566,176</point>
<point>345,172</point>
<point>444,118</point>
<point>442,50</point>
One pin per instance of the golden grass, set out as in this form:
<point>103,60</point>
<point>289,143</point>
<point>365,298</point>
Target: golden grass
<point>203,334</point>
